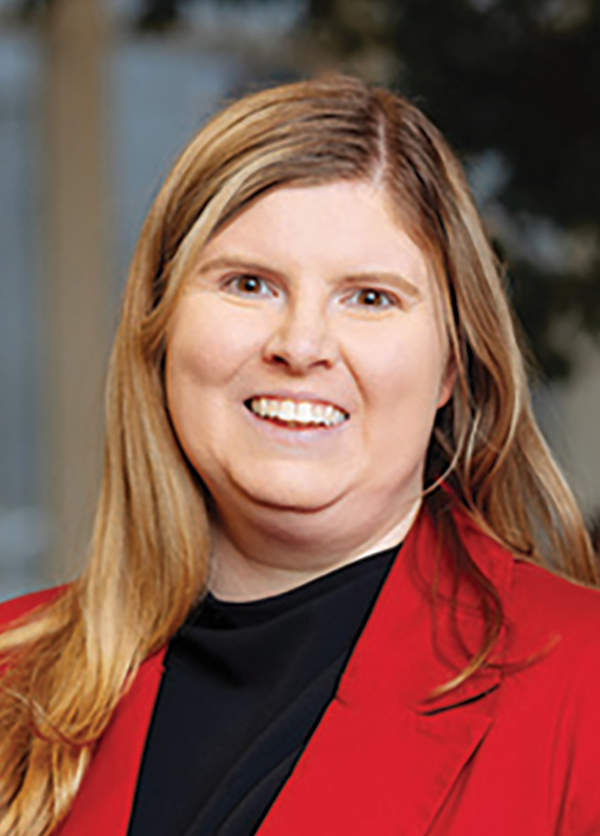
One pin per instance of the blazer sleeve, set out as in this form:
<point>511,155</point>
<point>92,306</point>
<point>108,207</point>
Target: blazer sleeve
<point>578,752</point>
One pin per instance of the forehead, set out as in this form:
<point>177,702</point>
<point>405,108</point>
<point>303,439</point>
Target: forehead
<point>340,225</point>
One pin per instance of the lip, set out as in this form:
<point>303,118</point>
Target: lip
<point>297,438</point>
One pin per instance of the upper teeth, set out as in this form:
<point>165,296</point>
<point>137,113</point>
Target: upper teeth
<point>300,412</point>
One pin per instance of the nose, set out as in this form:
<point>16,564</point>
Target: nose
<point>302,338</point>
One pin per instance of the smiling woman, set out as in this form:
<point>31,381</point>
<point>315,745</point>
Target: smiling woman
<point>315,599</point>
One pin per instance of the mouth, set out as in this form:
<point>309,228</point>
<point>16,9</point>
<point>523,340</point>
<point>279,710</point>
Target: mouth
<point>301,414</point>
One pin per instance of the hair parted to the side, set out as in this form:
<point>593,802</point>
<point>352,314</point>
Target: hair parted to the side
<point>69,663</point>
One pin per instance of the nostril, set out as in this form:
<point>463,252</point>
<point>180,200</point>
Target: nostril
<point>300,356</point>
<point>279,358</point>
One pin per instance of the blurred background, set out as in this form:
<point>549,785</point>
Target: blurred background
<point>98,96</point>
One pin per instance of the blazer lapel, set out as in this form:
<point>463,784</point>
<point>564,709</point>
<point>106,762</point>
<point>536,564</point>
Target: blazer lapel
<point>103,804</point>
<point>385,756</point>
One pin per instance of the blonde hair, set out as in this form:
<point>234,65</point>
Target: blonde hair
<point>70,662</point>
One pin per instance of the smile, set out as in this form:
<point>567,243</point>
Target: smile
<point>297,414</point>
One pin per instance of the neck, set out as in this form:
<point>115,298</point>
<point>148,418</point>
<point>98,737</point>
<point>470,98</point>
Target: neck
<point>253,560</point>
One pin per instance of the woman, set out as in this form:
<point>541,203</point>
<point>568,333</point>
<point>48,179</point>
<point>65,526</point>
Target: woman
<point>315,364</point>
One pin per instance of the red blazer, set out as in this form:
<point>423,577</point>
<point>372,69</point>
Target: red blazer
<point>515,751</point>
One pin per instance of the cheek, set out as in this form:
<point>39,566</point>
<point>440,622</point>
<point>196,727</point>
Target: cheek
<point>194,385</point>
<point>194,369</point>
<point>208,344</point>
<point>401,367</point>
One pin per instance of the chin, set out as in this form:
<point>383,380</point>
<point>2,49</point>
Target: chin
<point>296,501</point>
<point>304,496</point>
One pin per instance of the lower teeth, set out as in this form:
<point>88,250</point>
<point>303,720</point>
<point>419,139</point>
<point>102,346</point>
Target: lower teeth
<point>295,424</point>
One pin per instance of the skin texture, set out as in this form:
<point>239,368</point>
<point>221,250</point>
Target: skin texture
<point>314,294</point>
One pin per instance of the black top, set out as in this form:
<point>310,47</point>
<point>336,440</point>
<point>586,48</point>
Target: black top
<point>244,686</point>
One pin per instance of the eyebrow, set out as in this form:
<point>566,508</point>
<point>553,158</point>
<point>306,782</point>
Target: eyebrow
<point>230,262</point>
<point>363,277</point>
<point>404,284</point>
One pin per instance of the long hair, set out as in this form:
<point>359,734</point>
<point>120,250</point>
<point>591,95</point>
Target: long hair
<point>70,662</point>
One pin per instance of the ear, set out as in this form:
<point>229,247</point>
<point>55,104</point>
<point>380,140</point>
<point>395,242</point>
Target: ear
<point>447,382</point>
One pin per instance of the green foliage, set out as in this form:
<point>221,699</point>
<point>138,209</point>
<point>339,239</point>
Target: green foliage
<point>27,9</point>
<point>155,15</point>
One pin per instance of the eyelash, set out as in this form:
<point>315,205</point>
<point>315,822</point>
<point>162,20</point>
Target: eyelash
<point>265,289</point>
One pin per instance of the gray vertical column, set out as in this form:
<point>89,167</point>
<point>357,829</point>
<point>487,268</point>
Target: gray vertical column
<point>76,281</point>
<point>22,528</point>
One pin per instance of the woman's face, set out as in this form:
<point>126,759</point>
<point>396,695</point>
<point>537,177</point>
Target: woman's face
<point>307,359</point>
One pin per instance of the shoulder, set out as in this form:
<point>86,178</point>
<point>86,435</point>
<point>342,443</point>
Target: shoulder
<point>545,608</point>
<point>553,629</point>
<point>16,608</point>
<point>553,639</point>
<point>540,598</point>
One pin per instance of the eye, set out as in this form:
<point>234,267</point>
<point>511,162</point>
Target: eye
<point>246,284</point>
<point>369,297</point>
